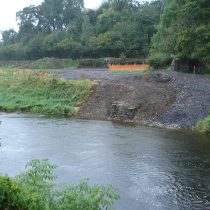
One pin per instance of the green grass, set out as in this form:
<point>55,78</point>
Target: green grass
<point>8,68</point>
<point>48,95</point>
<point>203,126</point>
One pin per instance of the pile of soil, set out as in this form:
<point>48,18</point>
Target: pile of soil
<point>163,99</point>
<point>136,98</point>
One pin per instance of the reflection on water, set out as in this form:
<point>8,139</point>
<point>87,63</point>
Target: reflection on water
<point>151,168</point>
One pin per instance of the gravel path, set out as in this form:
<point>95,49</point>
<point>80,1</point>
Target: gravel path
<point>177,102</point>
<point>94,74</point>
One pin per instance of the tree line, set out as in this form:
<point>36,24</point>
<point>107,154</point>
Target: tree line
<point>118,28</point>
<point>184,30</point>
<point>66,29</point>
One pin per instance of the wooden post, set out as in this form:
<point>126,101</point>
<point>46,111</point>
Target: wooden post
<point>194,68</point>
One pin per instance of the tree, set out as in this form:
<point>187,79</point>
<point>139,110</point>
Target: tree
<point>36,189</point>
<point>9,37</point>
<point>184,30</point>
<point>27,19</point>
<point>60,14</point>
<point>65,28</point>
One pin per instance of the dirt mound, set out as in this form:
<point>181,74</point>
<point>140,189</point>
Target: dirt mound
<point>136,98</point>
<point>163,99</point>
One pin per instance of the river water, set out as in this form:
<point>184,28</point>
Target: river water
<point>150,168</point>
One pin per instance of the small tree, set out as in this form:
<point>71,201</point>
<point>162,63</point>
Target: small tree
<point>35,190</point>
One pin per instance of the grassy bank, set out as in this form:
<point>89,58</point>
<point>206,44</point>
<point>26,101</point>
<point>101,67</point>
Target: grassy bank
<point>41,93</point>
<point>203,126</point>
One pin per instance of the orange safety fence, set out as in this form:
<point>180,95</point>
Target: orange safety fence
<point>43,74</point>
<point>129,67</point>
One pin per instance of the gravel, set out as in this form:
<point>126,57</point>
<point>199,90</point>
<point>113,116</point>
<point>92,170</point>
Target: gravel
<point>192,101</point>
<point>163,99</point>
<point>94,74</point>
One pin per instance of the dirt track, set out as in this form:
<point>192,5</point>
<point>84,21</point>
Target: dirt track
<point>162,99</point>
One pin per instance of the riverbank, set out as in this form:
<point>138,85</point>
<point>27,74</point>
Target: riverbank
<point>162,99</point>
<point>41,93</point>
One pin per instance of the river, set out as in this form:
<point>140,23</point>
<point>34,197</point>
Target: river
<point>150,168</point>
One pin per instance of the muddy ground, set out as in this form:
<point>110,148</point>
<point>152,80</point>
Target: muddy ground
<point>163,99</point>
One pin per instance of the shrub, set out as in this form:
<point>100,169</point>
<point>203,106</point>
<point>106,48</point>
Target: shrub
<point>14,196</point>
<point>203,126</point>
<point>122,61</point>
<point>50,63</point>
<point>159,60</point>
<point>98,62</point>
<point>44,63</point>
<point>35,189</point>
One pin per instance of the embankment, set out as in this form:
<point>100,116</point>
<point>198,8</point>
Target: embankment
<point>41,93</point>
<point>172,99</point>
<point>163,99</point>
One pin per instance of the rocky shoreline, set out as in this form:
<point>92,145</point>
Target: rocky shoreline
<point>161,99</point>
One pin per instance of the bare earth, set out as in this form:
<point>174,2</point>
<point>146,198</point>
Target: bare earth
<point>163,99</point>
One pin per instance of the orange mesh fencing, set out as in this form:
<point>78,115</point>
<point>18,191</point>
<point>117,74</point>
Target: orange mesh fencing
<point>129,67</point>
<point>43,74</point>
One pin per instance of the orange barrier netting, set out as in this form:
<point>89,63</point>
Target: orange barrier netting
<point>129,67</point>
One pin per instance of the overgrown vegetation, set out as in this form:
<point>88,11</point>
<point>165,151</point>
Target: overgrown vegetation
<point>36,189</point>
<point>203,126</point>
<point>184,31</point>
<point>41,93</point>
<point>159,60</point>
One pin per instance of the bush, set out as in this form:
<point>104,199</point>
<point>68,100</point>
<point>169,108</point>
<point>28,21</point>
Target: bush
<point>50,63</point>
<point>122,61</point>
<point>203,126</point>
<point>44,63</point>
<point>35,189</point>
<point>14,196</point>
<point>159,60</point>
<point>98,62</point>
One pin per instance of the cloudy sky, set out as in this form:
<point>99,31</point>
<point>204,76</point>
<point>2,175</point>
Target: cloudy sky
<point>8,9</point>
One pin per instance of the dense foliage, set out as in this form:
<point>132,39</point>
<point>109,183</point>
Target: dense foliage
<point>36,189</point>
<point>66,29</point>
<point>184,30</point>
<point>40,93</point>
<point>118,28</point>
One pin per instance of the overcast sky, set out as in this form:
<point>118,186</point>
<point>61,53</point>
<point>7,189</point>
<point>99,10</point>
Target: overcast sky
<point>8,9</point>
